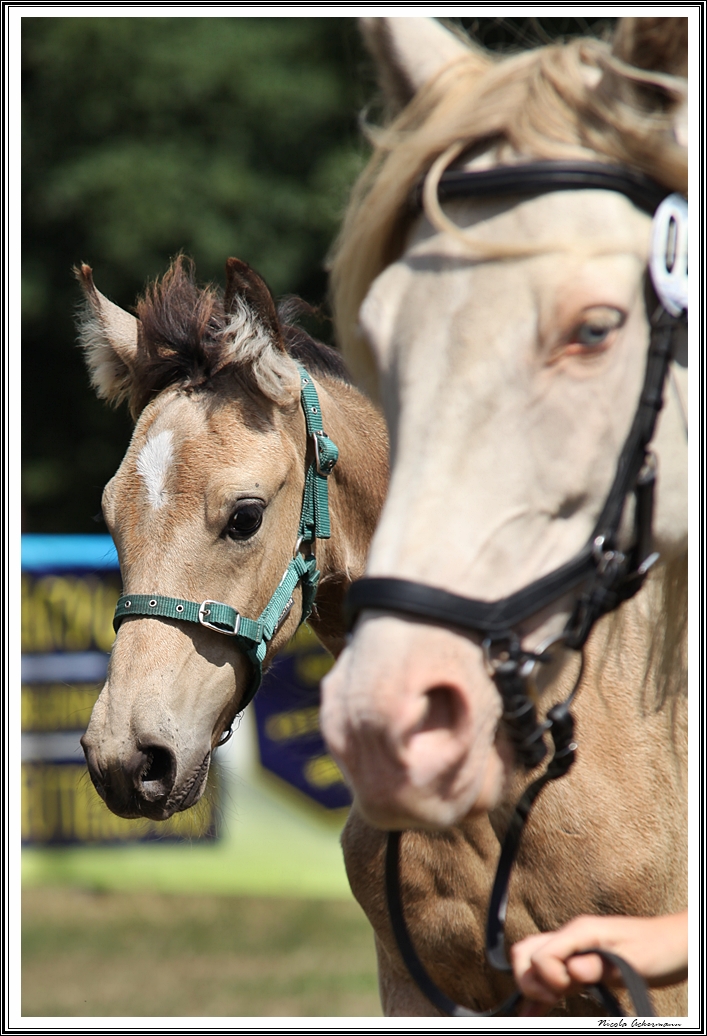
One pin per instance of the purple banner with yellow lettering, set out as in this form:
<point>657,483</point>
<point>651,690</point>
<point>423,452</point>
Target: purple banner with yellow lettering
<point>287,714</point>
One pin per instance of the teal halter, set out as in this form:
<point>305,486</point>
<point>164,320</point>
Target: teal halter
<point>253,635</point>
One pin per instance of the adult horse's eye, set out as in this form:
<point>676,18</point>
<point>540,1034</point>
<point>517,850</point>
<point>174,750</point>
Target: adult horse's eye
<point>595,330</point>
<point>245,520</point>
<point>592,334</point>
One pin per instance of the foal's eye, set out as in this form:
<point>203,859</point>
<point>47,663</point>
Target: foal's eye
<point>245,520</point>
<point>595,329</point>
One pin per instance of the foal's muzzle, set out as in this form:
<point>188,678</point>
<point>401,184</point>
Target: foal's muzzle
<point>140,785</point>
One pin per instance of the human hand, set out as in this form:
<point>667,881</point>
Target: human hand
<point>547,966</point>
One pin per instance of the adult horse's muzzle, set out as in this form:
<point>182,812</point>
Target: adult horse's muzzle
<point>415,738</point>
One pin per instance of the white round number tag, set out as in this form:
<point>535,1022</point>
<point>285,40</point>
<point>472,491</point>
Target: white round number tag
<point>668,262</point>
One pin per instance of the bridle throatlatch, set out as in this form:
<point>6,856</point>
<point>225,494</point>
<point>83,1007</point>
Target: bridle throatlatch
<point>603,574</point>
<point>253,635</point>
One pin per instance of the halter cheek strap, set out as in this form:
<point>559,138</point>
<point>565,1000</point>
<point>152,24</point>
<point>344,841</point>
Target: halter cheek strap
<point>253,635</point>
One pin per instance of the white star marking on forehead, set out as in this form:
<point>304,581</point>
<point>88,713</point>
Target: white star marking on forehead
<point>153,464</point>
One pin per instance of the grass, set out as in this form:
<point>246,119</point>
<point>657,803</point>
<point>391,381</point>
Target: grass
<point>137,954</point>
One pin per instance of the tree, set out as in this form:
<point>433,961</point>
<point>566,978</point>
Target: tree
<point>143,137</point>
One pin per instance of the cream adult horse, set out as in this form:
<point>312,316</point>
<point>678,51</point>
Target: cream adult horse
<point>207,512</point>
<point>510,334</point>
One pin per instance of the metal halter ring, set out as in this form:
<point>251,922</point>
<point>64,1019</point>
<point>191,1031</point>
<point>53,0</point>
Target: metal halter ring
<point>527,660</point>
<point>324,468</point>
<point>225,737</point>
<point>539,654</point>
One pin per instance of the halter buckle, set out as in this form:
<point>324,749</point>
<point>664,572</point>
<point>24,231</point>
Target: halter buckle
<point>204,611</point>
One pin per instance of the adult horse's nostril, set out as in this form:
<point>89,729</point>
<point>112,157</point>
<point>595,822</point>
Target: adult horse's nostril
<point>443,709</point>
<point>154,778</point>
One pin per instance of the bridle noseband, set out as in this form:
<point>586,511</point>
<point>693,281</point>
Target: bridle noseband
<point>253,635</point>
<point>603,574</point>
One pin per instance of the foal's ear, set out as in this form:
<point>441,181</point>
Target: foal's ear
<point>254,338</point>
<point>109,338</point>
<point>408,52</point>
<point>242,282</point>
<point>655,44</point>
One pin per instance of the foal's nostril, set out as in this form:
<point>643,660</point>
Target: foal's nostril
<point>159,766</point>
<point>155,777</point>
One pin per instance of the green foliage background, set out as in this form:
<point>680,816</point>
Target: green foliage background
<point>146,136</point>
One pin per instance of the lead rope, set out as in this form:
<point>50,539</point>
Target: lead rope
<point>561,726</point>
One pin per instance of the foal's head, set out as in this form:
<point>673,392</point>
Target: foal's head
<point>206,504</point>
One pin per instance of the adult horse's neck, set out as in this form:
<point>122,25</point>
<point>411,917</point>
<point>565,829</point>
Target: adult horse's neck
<point>630,706</point>
<point>653,628</point>
<point>357,489</point>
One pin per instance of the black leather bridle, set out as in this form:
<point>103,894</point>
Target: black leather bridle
<point>603,574</point>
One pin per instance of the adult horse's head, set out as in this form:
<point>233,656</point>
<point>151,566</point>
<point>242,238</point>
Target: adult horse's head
<point>207,506</point>
<point>510,336</point>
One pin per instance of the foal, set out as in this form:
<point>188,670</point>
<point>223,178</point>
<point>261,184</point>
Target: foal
<point>206,507</point>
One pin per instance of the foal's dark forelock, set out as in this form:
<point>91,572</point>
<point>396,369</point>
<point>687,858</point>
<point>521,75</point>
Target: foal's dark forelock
<point>182,338</point>
<point>181,334</point>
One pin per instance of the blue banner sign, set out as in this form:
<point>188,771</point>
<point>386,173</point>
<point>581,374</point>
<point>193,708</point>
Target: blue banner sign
<point>70,585</point>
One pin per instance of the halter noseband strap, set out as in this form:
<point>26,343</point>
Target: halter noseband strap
<point>254,635</point>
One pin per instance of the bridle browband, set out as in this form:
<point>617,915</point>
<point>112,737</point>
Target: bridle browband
<point>253,635</point>
<point>546,177</point>
<point>604,573</point>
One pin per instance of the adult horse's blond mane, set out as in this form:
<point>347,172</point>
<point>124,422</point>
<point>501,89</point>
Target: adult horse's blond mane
<point>579,99</point>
